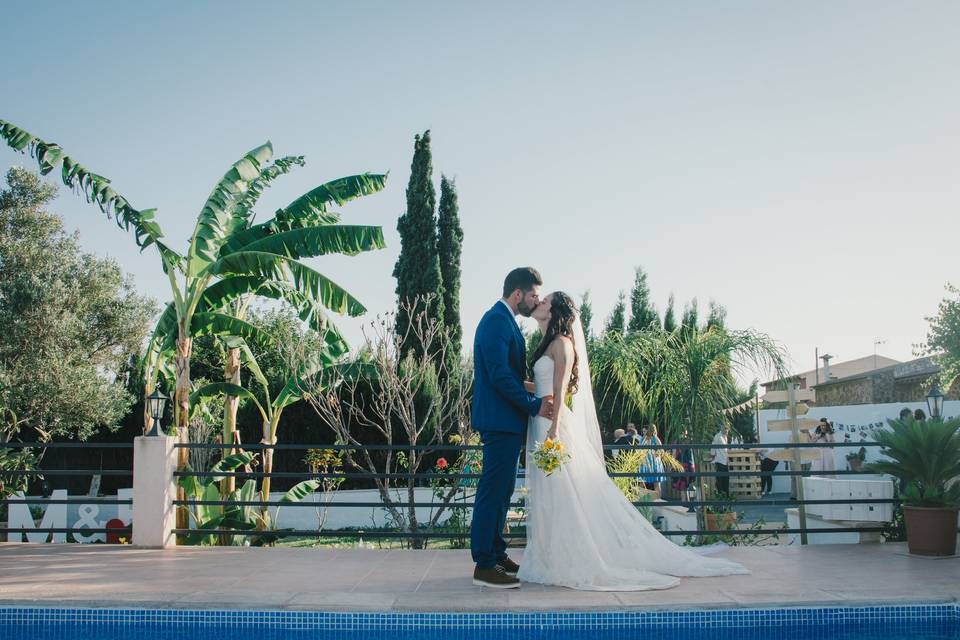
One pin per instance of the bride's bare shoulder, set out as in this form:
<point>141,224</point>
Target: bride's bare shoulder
<point>561,346</point>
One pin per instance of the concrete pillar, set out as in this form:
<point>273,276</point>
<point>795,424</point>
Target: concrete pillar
<point>154,490</point>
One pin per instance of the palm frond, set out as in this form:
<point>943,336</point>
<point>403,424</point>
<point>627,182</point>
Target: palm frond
<point>310,210</point>
<point>279,167</point>
<point>218,218</point>
<point>310,242</point>
<point>273,267</point>
<point>95,188</point>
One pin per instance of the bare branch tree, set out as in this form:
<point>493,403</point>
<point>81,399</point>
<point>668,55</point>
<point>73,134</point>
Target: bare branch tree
<point>399,400</point>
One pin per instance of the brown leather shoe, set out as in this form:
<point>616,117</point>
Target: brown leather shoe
<point>494,578</point>
<point>509,567</point>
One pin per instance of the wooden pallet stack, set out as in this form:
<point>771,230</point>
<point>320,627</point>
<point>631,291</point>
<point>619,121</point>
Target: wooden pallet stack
<point>744,460</point>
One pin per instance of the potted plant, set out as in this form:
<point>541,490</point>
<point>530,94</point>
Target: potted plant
<point>720,517</point>
<point>855,459</point>
<point>925,457</point>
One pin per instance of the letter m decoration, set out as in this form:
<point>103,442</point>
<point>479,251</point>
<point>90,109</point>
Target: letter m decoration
<point>54,516</point>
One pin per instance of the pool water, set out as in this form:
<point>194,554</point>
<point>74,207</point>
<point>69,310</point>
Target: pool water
<point>914,622</point>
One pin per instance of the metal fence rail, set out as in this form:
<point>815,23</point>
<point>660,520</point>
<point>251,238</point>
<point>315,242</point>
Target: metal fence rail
<point>402,481</point>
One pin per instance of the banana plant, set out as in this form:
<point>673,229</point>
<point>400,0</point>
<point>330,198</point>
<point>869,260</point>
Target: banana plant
<point>235,514</point>
<point>270,407</point>
<point>227,256</point>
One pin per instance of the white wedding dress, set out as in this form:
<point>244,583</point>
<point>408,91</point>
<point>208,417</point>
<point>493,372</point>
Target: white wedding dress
<point>582,532</point>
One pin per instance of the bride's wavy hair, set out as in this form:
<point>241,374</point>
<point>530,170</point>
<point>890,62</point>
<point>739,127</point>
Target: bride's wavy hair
<point>563,313</point>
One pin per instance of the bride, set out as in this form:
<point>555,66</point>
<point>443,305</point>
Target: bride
<point>582,532</point>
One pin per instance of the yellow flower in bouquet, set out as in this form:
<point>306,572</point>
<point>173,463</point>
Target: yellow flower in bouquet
<point>549,456</point>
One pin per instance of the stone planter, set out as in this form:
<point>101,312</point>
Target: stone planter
<point>931,531</point>
<point>720,521</point>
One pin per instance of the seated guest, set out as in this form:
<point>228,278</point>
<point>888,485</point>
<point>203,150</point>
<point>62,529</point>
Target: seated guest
<point>617,434</point>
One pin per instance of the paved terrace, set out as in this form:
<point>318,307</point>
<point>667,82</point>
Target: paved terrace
<point>370,580</point>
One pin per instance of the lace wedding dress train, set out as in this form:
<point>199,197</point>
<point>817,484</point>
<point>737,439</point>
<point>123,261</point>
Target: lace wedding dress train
<point>582,532</point>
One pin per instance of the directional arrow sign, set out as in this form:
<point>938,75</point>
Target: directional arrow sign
<point>786,455</point>
<point>805,424</point>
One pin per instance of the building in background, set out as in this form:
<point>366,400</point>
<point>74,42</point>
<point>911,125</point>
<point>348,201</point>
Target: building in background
<point>774,393</point>
<point>901,382</point>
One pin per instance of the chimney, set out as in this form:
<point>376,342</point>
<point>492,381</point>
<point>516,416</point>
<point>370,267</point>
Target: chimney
<point>826,366</point>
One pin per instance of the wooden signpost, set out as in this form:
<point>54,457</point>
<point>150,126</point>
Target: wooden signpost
<point>797,463</point>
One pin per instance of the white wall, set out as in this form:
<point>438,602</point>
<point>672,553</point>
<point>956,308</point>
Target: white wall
<point>852,423</point>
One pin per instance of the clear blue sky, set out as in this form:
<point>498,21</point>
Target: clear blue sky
<point>797,162</point>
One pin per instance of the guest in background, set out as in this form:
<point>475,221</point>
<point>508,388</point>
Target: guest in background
<point>720,459</point>
<point>919,415</point>
<point>823,434</point>
<point>767,465</point>
<point>684,455</point>
<point>906,413</point>
<point>626,438</point>
<point>617,434</point>
<point>651,469</point>
<point>632,432</point>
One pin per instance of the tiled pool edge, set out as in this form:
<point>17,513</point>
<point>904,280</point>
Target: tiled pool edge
<point>803,615</point>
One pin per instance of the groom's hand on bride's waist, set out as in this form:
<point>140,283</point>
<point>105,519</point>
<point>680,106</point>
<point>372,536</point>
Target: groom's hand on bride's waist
<point>546,407</point>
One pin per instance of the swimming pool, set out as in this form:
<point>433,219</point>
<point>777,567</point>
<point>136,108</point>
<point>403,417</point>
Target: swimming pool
<point>913,622</point>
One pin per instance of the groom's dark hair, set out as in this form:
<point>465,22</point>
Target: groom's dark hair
<point>523,278</point>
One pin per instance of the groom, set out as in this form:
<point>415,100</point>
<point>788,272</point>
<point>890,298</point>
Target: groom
<point>501,407</point>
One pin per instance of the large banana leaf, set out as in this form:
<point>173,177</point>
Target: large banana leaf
<point>310,309</point>
<point>218,218</point>
<point>95,188</point>
<point>215,389</point>
<point>279,167</point>
<point>310,209</point>
<point>297,386</point>
<point>212,323</point>
<point>191,485</point>
<point>300,491</point>
<point>163,338</point>
<point>246,355</point>
<point>323,240</point>
<point>306,281</point>
<point>230,463</point>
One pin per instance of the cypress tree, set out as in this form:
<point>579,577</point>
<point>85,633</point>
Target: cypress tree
<point>586,314</point>
<point>418,268</point>
<point>643,315</point>
<point>669,319</point>
<point>690,316</point>
<point>717,316</point>
<point>449,247</point>
<point>617,320</point>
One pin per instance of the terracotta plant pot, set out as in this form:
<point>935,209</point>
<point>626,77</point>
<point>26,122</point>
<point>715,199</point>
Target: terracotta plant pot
<point>720,521</point>
<point>855,464</point>
<point>931,531</point>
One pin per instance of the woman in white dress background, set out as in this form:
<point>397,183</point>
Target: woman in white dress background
<point>582,532</point>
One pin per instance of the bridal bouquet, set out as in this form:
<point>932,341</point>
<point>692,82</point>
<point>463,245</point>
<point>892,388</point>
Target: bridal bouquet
<point>549,455</point>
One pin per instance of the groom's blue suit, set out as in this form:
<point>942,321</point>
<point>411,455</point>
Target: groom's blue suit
<point>501,407</point>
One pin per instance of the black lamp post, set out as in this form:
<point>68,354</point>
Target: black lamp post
<point>935,401</point>
<point>691,492</point>
<point>156,402</point>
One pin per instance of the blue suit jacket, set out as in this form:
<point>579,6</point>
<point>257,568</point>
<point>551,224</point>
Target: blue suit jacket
<point>500,402</point>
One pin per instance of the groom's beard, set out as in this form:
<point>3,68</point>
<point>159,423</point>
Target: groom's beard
<point>524,310</point>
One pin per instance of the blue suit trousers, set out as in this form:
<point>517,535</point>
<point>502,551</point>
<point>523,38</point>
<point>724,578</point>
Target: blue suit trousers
<point>501,455</point>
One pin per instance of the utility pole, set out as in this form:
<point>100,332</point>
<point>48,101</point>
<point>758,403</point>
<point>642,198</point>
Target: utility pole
<point>875,344</point>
